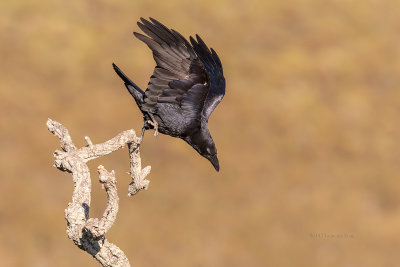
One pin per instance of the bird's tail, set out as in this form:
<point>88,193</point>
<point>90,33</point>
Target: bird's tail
<point>133,89</point>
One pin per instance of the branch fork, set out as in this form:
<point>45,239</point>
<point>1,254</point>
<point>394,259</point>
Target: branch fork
<point>89,233</point>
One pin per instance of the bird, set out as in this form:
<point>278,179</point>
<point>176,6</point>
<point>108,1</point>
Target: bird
<point>186,86</point>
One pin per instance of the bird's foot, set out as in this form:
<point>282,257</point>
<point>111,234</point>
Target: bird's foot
<point>153,123</point>
<point>142,134</point>
<point>155,126</point>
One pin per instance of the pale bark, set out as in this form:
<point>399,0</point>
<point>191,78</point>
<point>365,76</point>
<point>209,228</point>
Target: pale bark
<point>89,233</point>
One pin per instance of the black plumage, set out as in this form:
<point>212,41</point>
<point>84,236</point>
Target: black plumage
<point>186,86</point>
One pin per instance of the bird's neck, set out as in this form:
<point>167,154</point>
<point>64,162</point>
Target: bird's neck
<point>197,138</point>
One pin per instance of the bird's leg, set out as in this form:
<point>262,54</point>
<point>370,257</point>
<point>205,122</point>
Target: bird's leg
<point>142,134</point>
<point>154,123</point>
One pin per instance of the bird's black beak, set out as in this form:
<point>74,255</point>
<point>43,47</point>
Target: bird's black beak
<point>214,161</point>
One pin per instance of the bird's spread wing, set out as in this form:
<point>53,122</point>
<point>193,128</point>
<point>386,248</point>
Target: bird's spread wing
<point>214,70</point>
<point>181,77</point>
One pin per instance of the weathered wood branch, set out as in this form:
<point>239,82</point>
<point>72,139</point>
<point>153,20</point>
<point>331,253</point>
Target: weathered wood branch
<point>89,233</point>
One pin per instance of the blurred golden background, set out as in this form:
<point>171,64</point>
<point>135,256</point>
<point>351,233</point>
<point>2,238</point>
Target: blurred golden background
<point>308,134</point>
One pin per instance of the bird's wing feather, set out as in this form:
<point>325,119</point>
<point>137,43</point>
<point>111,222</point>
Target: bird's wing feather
<point>179,77</point>
<point>214,70</point>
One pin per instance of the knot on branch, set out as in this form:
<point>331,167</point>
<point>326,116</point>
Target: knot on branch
<point>62,160</point>
<point>93,230</point>
<point>107,179</point>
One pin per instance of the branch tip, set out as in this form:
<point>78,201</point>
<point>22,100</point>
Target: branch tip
<point>88,141</point>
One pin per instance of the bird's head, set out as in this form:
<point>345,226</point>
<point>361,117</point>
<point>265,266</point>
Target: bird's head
<point>210,153</point>
<point>204,144</point>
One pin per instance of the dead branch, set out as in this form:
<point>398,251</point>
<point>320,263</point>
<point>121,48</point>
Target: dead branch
<point>89,233</point>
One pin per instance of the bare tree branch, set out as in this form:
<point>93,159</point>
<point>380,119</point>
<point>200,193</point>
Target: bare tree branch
<point>99,227</point>
<point>89,233</point>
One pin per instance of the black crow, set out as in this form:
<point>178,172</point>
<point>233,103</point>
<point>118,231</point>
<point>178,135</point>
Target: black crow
<point>186,86</point>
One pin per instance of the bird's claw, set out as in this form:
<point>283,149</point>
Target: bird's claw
<point>155,125</point>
